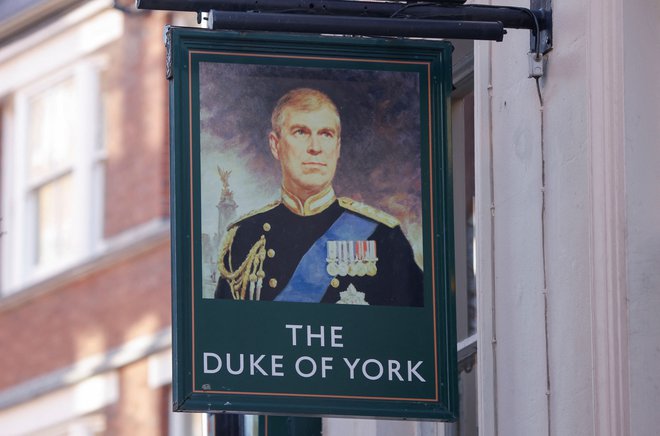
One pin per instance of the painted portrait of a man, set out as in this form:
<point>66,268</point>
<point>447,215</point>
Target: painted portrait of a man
<point>316,241</point>
<point>310,246</point>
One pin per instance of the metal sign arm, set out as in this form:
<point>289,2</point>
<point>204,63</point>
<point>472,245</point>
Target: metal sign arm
<point>280,22</point>
<point>436,19</point>
<point>516,18</point>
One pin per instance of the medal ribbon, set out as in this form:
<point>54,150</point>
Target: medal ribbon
<point>310,279</point>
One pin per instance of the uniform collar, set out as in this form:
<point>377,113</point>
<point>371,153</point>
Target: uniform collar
<point>315,204</point>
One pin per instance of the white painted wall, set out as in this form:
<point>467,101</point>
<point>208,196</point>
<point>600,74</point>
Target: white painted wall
<point>510,269</point>
<point>601,226</point>
<point>541,366</point>
<point>642,127</point>
<point>567,228</point>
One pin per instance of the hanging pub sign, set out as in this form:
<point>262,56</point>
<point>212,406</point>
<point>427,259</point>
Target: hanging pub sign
<point>312,231</point>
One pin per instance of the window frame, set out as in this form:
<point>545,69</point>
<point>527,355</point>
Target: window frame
<point>19,270</point>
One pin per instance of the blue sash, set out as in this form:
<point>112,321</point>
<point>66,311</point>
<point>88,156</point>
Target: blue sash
<point>310,279</point>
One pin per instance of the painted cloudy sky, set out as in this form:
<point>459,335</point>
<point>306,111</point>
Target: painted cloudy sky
<point>380,155</point>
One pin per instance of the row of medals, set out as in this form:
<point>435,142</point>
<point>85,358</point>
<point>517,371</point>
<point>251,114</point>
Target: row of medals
<point>351,258</point>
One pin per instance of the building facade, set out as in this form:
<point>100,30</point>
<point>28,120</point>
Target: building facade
<point>85,311</point>
<point>557,203</point>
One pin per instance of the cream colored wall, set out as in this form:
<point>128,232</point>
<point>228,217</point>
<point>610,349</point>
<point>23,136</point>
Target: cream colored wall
<point>581,358</point>
<point>532,168</point>
<point>642,157</point>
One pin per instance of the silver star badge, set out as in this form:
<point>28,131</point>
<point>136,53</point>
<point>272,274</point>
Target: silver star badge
<point>351,296</point>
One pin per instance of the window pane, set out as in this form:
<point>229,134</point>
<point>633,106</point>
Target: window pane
<point>54,221</point>
<point>51,129</point>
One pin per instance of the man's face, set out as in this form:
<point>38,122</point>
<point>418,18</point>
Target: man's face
<point>308,149</point>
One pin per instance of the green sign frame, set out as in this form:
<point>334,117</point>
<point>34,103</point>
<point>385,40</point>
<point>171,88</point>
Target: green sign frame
<point>385,360</point>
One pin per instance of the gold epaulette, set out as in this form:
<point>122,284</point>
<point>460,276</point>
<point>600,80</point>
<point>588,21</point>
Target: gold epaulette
<point>368,211</point>
<point>266,208</point>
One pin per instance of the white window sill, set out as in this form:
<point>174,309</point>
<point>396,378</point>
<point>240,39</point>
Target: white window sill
<point>127,244</point>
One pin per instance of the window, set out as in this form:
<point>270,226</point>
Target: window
<point>53,158</point>
<point>466,292</point>
<point>78,409</point>
<point>91,425</point>
<point>462,138</point>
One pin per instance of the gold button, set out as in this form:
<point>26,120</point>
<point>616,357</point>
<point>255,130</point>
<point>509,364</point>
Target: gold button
<point>334,282</point>
<point>271,253</point>
<point>272,283</point>
<point>266,227</point>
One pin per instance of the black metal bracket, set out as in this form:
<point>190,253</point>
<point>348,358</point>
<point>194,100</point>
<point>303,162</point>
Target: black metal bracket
<point>544,36</point>
<point>449,19</point>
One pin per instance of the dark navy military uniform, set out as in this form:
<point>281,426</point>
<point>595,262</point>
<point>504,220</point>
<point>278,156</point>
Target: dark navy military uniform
<point>263,251</point>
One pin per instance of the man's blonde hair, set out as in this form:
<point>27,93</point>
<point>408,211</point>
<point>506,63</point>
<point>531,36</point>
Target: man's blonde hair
<point>301,99</point>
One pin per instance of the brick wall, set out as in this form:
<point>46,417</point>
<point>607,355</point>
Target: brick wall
<point>142,411</point>
<point>136,105</point>
<point>129,297</point>
<point>96,313</point>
